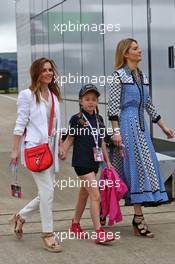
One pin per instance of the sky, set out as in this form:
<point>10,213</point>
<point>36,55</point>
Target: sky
<point>7,26</point>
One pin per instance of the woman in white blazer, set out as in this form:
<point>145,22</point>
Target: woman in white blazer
<point>31,129</point>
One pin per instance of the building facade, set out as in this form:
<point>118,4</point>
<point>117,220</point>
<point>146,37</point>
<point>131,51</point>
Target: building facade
<point>51,28</point>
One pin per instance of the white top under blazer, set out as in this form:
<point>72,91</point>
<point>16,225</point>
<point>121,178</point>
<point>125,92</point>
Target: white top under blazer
<point>33,117</point>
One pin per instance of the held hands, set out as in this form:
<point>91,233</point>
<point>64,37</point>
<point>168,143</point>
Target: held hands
<point>168,132</point>
<point>117,139</point>
<point>62,153</point>
<point>108,165</point>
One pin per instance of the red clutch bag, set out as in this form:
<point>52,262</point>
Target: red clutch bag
<point>40,158</point>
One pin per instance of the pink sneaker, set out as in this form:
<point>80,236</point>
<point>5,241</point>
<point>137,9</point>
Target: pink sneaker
<point>102,236</point>
<point>76,229</point>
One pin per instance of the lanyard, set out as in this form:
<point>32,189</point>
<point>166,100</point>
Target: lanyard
<point>15,172</point>
<point>95,137</point>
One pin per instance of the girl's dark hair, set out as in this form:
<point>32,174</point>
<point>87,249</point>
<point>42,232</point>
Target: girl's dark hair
<point>83,121</point>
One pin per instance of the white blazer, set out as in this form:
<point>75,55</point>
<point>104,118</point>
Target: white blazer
<point>33,117</point>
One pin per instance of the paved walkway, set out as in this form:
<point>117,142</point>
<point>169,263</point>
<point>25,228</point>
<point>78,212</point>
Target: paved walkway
<point>128,249</point>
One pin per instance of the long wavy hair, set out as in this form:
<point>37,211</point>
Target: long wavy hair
<point>121,49</point>
<point>35,73</point>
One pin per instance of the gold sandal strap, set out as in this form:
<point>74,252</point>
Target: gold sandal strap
<point>54,244</point>
<point>47,235</point>
<point>22,221</point>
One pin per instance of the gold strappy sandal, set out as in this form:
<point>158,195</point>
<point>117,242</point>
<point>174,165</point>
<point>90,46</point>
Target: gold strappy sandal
<point>51,244</point>
<point>17,221</point>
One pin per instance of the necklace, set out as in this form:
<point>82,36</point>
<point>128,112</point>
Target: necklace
<point>45,95</point>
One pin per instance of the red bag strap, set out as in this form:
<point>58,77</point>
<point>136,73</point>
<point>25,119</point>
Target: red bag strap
<point>51,116</point>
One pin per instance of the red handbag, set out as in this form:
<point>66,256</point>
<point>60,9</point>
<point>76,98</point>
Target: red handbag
<point>40,158</point>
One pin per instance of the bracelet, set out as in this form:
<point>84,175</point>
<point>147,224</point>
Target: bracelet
<point>116,133</point>
<point>116,129</point>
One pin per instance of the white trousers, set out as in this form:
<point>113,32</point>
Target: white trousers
<point>44,201</point>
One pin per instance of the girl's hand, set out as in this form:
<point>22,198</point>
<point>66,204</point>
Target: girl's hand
<point>117,139</point>
<point>62,153</point>
<point>168,132</point>
<point>14,157</point>
<point>108,165</point>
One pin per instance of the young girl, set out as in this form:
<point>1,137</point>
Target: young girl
<point>88,150</point>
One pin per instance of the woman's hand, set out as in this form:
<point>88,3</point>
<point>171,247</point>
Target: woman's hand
<point>168,132</point>
<point>117,139</point>
<point>14,157</point>
<point>15,149</point>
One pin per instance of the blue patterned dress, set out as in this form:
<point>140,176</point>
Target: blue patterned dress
<point>129,98</point>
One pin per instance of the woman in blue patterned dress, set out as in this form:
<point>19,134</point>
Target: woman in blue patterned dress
<point>129,97</point>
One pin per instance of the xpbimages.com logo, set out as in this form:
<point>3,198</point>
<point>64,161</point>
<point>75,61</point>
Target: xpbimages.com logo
<point>100,80</point>
<point>83,131</point>
<point>61,236</point>
<point>80,27</point>
<point>76,183</point>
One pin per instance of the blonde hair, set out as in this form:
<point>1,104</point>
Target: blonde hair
<point>121,49</point>
<point>35,73</point>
